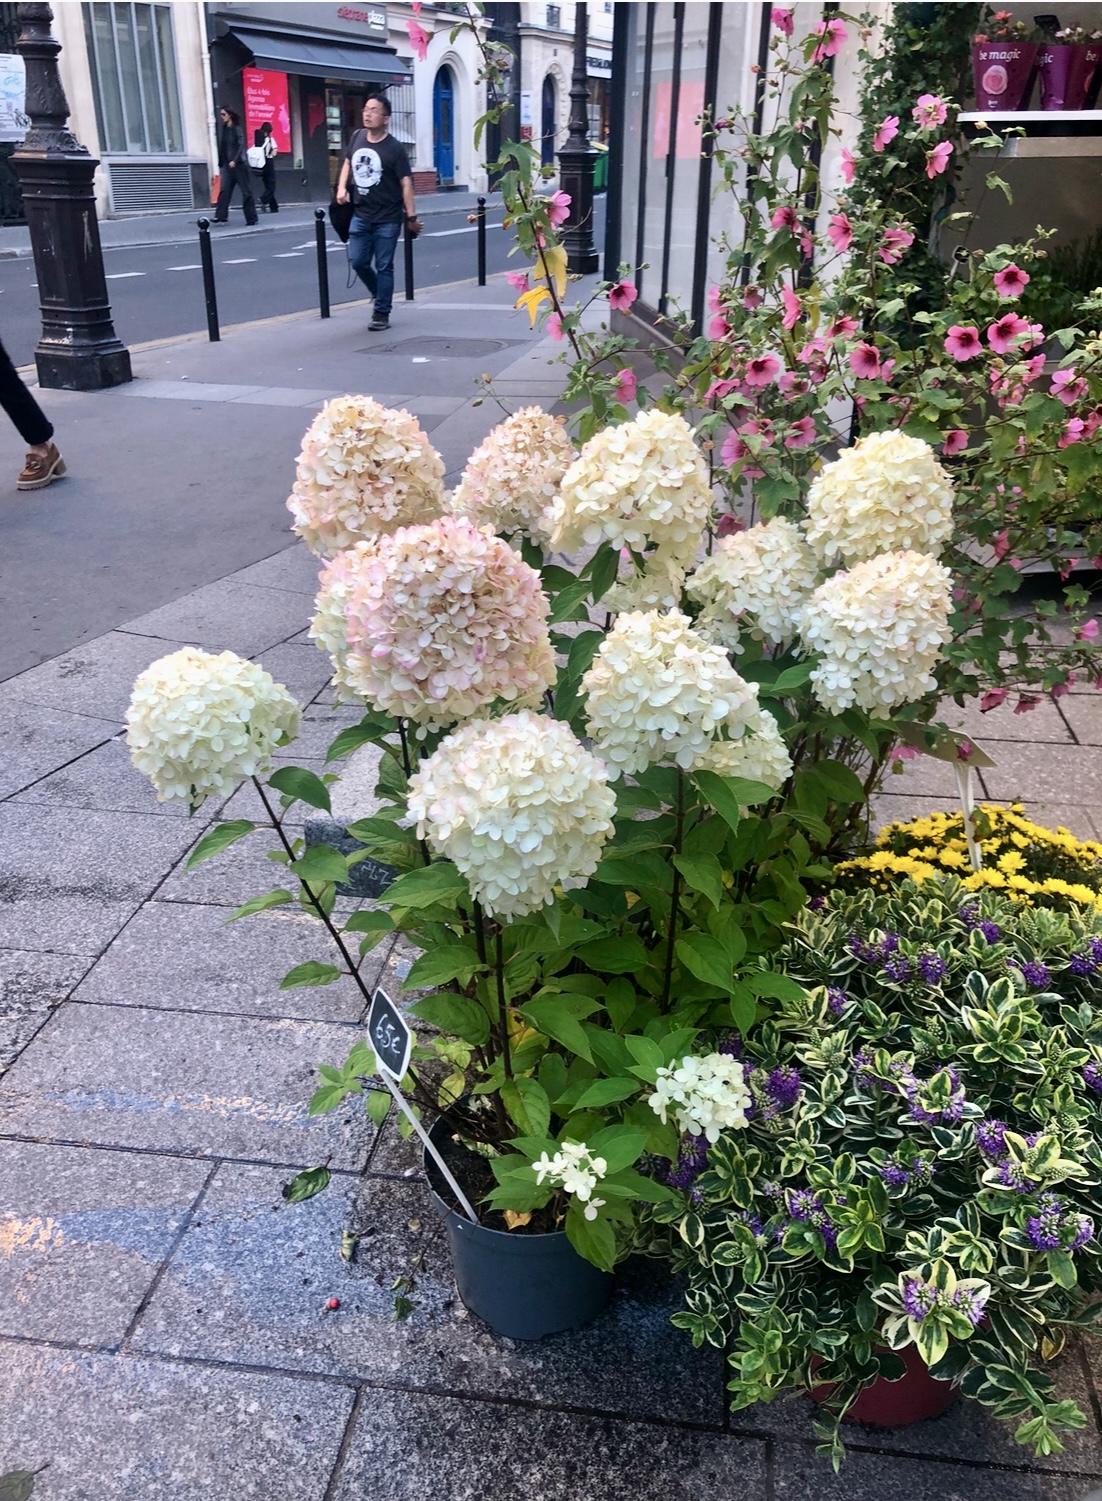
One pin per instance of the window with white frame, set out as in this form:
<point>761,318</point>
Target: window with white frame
<point>132,60</point>
<point>402,124</point>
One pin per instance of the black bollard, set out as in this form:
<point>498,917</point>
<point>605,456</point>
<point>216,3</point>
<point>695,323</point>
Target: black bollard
<point>480,218</point>
<point>208,281</point>
<point>408,248</point>
<point>323,262</point>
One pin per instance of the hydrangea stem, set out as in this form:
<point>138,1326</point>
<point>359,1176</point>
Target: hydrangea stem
<point>503,1019</point>
<point>675,898</point>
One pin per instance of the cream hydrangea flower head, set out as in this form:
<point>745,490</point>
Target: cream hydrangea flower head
<point>514,474</point>
<point>444,619</point>
<point>363,469</point>
<point>640,485</point>
<point>328,627</point>
<point>880,629</point>
<point>519,804</point>
<point>576,1171</point>
<point>200,724</point>
<point>767,572</point>
<point>707,1095</point>
<point>760,755</point>
<point>658,587</point>
<point>657,689</point>
<point>887,493</point>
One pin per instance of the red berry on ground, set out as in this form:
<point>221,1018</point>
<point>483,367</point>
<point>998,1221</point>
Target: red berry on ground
<point>333,1304</point>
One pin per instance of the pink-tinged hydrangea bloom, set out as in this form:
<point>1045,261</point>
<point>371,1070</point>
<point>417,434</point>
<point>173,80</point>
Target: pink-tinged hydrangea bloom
<point>849,165</point>
<point>885,133</point>
<point>1009,329</point>
<point>444,620</point>
<point>1068,386</point>
<point>718,327</point>
<point>622,295</point>
<point>801,434</point>
<point>1011,281</point>
<point>782,20</point>
<point>785,217</point>
<point>896,240</point>
<point>553,326</point>
<point>992,699</point>
<point>864,361</point>
<point>762,370</point>
<point>418,40</point>
<point>885,494</point>
<point>840,232</point>
<point>766,573</point>
<point>626,386</point>
<point>956,441</point>
<point>558,208</point>
<point>519,805</point>
<point>517,279</point>
<point>514,474</point>
<point>1088,631</point>
<point>930,110</point>
<point>363,469</point>
<point>328,626</point>
<point>792,308</point>
<point>963,342</point>
<point>832,38</point>
<point>937,159</point>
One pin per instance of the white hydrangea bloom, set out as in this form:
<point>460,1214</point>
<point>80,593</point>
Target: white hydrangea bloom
<point>656,689</point>
<point>880,629</point>
<point>640,485</point>
<point>200,724</point>
<point>707,1095</point>
<point>760,755</point>
<point>519,804</point>
<point>767,572</point>
<point>514,474</point>
<point>363,469</point>
<point>574,1169</point>
<point>328,626</point>
<point>887,493</point>
<point>658,587</point>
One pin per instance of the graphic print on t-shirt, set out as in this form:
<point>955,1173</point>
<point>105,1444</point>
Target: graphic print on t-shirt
<point>367,168</point>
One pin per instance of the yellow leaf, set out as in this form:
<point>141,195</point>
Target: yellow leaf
<point>554,258</point>
<point>514,1220</point>
<point>531,301</point>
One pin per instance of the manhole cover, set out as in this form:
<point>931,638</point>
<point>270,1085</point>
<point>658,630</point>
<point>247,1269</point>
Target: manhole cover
<point>444,349</point>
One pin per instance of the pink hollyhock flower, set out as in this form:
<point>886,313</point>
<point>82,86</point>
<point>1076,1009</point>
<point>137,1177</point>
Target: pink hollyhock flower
<point>901,753</point>
<point>785,217</point>
<point>782,20</point>
<point>1011,281</point>
<point>1088,631</point>
<point>1094,422</point>
<point>992,699</point>
<point>718,327</point>
<point>721,388</point>
<point>929,110</point>
<point>729,524</point>
<point>1001,335</point>
<point>963,342</point>
<point>956,441</point>
<point>832,38</point>
<point>894,243</point>
<point>792,308</point>
<point>801,434</point>
<point>1036,336</point>
<point>558,208</point>
<point>886,372</point>
<point>965,750</point>
<point>849,165</point>
<point>1073,433</point>
<point>1058,690</point>
<point>762,370</point>
<point>1025,704</point>
<point>885,132</point>
<point>864,361</point>
<point>807,245</point>
<point>1067,570</point>
<point>715,299</point>
<point>841,328</point>
<point>792,384</point>
<point>622,295</point>
<point>418,39</point>
<point>626,386</point>
<point>840,232</point>
<point>1001,544</point>
<point>938,159</point>
<point>553,326</point>
<point>518,279</point>
<point>1068,387</point>
<point>751,299</point>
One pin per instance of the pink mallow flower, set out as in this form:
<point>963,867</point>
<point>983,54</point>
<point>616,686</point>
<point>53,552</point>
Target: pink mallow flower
<point>1001,545</point>
<point>963,342</point>
<point>785,217</point>
<point>840,232</point>
<point>956,441</point>
<point>901,753</point>
<point>1003,334</point>
<point>1025,704</point>
<point>938,158</point>
<point>626,386</point>
<point>1058,690</point>
<point>718,327</point>
<point>1073,433</point>
<point>762,370</point>
<point>518,279</point>
<point>715,299</point>
<point>792,384</point>
<point>1011,281</point>
<point>622,295</point>
<point>1068,387</point>
<point>558,208</point>
<point>418,40</point>
<point>1088,631</point>
<point>842,327</point>
<point>832,38</point>
<point>782,20</point>
<point>864,361</point>
<point>792,308</point>
<point>885,132</point>
<point>752,298</point>
<point>896,240</point>
<point>801,434</point>
<point>849,165</point>
<point>729,524</point>
<point>992,699</point>
<point>721,388</point>
<point>930,110</point>
<point>554,326</point>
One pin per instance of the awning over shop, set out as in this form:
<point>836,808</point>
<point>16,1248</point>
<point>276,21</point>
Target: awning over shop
<point>318,57</point>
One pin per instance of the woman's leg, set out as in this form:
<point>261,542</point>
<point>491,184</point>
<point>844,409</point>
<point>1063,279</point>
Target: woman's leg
<point>31,422</point>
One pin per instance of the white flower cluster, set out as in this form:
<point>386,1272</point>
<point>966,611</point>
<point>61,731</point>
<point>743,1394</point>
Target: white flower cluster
<point>200,724</point>
<point>880,629</point>
<point>657,689</point>
<point>640,485</point>
<point>519,804</point>
<point>760,755</point>
<point>658,587</point>
<point>766,572</point>
<point>328,627</point>
<point>575,1169</point>
<point>887,493</point>
<point>363,469</point>
<point>707,1095</point>
<point>514,474</point>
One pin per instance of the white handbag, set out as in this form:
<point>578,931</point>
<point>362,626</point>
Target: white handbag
<point>255,157</point>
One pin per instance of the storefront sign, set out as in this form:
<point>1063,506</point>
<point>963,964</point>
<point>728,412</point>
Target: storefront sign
<point>266,99</point>
<point>14,121</point>
<point>367,21</point>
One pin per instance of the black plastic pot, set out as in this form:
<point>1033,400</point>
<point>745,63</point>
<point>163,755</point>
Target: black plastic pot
<point>523,1286</point>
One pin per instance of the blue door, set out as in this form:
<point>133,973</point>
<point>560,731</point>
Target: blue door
<point>443,126</point>
<point>547,124</point>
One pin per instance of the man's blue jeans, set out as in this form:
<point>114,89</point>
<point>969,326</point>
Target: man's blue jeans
<point>374,242</point>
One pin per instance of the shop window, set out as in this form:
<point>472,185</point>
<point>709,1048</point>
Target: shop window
<point>403,118</point>
<point>554,18</point>
<point>132,60</point>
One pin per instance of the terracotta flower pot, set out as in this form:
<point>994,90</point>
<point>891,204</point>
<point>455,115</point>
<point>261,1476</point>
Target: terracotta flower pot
<point>1066,73</point>
<point>1003,74</point>
<point>897,1404</point>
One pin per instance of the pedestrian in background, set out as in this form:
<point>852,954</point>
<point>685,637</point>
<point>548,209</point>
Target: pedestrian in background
<point>44,462</point>
<point>262,155</point>
<point>377,180</point>
<point>234,168</point>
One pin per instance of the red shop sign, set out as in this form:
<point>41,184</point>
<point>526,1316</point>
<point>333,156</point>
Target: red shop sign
<point>266,99</point>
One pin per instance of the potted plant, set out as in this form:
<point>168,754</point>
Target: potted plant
<point>1066,66</point>
<point>916,1189</point>
<point>1004,60</point>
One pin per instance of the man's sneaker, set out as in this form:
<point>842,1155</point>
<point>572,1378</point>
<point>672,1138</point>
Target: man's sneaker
<point>41,470</point>
<point>379,322</point>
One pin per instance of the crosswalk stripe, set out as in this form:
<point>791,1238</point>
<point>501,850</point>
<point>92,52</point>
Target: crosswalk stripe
<point>466,229</point>
<point>194,267</point>
<point>241,260</point>
<point>122,275</point>
<point>286,255</point>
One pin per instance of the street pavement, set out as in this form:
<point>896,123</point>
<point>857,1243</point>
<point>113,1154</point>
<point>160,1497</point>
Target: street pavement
<point>165,1329</point>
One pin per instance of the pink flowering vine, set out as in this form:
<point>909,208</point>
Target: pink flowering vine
<point>792,308</point>
<point>622,295</point>
<point>418,40</point>
<point>937,159</point>
<point>864,361</point>
<point>963,342</point>
<point>930,111</point>
<point>896,240</point>
<point>1011,281</point>
<point>782,20</point>
<point>832,38</point>
<point>885,132</point>
<point>558,208</point>
<point>840,232</point>
<point>626,386</point>
<point>956,441</point>
<point>849,165</point>
<point>762,370</point>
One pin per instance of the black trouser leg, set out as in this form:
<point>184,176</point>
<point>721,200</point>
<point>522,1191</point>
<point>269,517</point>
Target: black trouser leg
<point>30,420</point>
<point>245,183</point>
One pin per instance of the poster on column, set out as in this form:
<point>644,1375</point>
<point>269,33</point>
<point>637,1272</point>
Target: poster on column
<point>14,121</point>
<point>266,99</point>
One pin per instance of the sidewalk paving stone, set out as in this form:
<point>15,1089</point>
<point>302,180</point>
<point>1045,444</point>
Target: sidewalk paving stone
<point>294,569</point>
<point>1045,723</point>
<point>228,879</point>
<point>1084,715</point>
<point>225,616</point>
<point>34,740</point>
<point>248,1286</point>
<point>1068,774</point>
<point>82,1234</point>
<point>800,1475</point>
<point>31,985</point>
<point>123,1429</point>
<point>302,669</point>
<point>187,1083</point>
<point>103,780</point>
<point>95,678</point>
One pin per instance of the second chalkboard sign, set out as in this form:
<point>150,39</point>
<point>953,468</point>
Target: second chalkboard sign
<point>390,1035</point>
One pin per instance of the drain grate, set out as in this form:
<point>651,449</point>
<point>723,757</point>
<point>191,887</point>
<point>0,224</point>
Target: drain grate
<point>444,349</point>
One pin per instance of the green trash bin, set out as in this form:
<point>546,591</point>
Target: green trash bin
<point>600,169</point>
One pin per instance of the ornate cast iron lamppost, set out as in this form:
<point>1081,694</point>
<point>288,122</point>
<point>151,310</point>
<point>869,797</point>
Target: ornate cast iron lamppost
<point>576,160</point>
<point>79,350</point>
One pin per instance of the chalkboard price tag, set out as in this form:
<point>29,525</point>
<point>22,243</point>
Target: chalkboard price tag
<point>390,1035</point>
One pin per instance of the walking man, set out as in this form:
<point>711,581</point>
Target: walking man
<point>234,168</point>
<point>376,179</point>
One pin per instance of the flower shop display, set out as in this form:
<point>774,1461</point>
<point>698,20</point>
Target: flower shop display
<point>1066,67</point>
<point>1004,63</point>
<point>917,1173</point>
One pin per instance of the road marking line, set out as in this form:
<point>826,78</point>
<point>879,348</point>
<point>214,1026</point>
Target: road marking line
<point>306,245</point>
<point>466,229</point>
<point>194,267</point>
<point>242,260</point>
<point>286,255</point>
<point>122,275</point>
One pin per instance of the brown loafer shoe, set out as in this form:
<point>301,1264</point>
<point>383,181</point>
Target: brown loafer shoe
<point>41,470</point>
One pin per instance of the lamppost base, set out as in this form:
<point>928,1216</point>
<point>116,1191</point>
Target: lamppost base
<point>77,371</point>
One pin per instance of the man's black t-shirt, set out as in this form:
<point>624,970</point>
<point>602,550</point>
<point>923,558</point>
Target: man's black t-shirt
<point>375,178</point>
